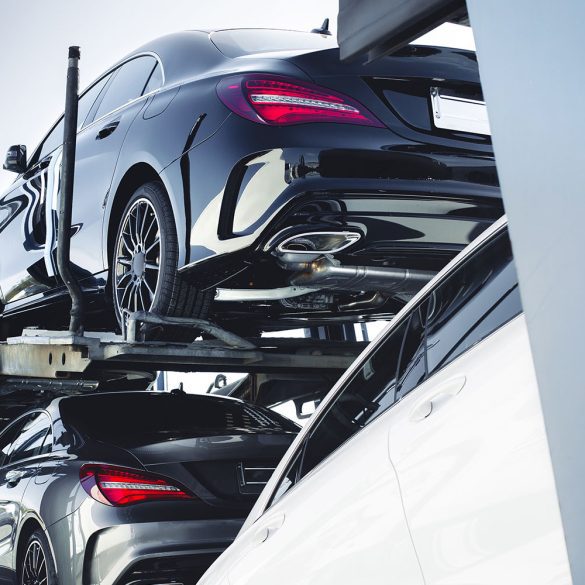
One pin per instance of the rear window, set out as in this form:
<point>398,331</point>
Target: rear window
<point>236,43</point>
<point>123,419</point>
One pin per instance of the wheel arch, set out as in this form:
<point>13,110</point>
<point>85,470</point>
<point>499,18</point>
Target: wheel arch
<point>137,175</point>
<point>30,525</point>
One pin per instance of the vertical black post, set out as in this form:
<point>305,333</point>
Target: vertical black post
<point>66,198</point>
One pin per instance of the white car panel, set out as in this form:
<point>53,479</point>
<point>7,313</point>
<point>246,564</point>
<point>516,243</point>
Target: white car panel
<point>476,474</point>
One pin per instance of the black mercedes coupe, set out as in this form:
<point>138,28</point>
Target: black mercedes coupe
<point>251,177</point>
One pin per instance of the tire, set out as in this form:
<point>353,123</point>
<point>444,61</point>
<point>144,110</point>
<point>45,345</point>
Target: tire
<point>36,564</point>
<point>144,267</point>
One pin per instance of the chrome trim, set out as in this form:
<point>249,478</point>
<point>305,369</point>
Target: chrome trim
<point>451,112</point>
<point>117,66</point>
<point>242,469</point>
<point>261,294</point>
<point>351,237</point>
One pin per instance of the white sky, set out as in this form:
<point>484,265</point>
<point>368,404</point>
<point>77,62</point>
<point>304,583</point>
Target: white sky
<point>34,36</point>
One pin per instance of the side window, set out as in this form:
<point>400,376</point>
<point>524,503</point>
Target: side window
<point>291,477</point>
<point>7,440</point>
<point>55,138</point>
<point>478,298</point>
<point>129,83</point>
<point>31,438</point>
<point>155,80</point>
<point>412,368</point>
<point>89,98</point>
<point>47,446</point>
<point>370,392</point>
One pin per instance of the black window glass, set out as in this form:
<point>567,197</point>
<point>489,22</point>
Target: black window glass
<point>235,43</point>
<point>155,80</point>
<point>87,100</point>
<point>53,140</point>
<point>478,298</point>
<point>291,477</point>
<point>31,438</point>
<point>412,368</point>
<point>7,439</point>
<point>128,84</point>
<point>134,419</point>
<point>47,445</point>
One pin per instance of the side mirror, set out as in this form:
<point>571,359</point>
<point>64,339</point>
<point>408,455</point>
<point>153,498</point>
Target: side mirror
<point>16,159</point>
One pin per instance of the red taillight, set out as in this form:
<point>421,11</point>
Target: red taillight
<point>280,101</point>
<point>118,486</point>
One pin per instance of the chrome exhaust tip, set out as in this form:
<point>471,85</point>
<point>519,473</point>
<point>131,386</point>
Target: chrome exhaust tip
<point>317,243</point>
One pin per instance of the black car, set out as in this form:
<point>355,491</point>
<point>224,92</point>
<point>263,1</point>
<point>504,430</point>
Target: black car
<point>130,487</point>
<point>250,175</point>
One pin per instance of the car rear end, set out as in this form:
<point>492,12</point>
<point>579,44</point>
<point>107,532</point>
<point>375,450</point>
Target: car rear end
<point>164,483</point>
<point>386,165</point>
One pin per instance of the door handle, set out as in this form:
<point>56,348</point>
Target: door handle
<point>107,130</point>
<point>446,390</point>
<point>13,477</point>
<point>268,528</point>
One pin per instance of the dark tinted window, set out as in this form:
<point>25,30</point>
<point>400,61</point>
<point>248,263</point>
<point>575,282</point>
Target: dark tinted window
<point>133,418</point>
<point>47,446</point>
<point>155,80</point>
<point>235,43</point>
<point>87,100</point>
<point>481,296</point>
<point>31,437</point>
<point>128,84</point>
<point>412,368</point>
<point>51,142</point>
<point>7,439</point>
<point>55,138</point>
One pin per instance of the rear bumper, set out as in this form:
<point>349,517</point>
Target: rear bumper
<point>242,179</point>
<point>158,550</point>
<point>89,553</point>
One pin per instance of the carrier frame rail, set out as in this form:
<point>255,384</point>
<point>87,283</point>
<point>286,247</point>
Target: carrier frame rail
<point>38,354</point>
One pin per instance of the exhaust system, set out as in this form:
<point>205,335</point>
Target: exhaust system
<point>326,273</point>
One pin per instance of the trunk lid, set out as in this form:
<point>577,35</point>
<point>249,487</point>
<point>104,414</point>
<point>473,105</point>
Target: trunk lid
<point>219,469</point>
<point>407,90</point>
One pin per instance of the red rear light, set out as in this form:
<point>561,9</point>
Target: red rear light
<point>280,101</point>
<point>118,486</point>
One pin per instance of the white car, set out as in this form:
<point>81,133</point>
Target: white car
<point>428,463</point>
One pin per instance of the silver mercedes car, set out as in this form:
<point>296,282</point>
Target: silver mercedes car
<point>130,487</point>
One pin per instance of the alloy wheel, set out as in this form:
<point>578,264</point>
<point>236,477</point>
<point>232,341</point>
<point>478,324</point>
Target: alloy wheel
<point>137,259</point>
<point>34,570</point>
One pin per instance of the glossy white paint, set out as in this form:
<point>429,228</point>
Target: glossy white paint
<point>476,475</point>
<point>343,524</point>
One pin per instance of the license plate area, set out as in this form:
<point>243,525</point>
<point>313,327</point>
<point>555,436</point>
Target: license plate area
<point>458,113</point>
